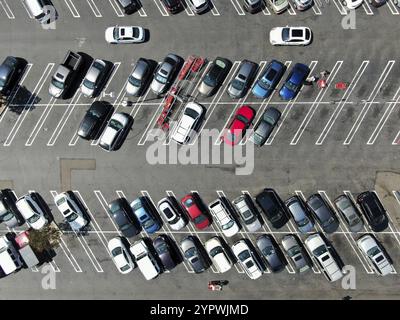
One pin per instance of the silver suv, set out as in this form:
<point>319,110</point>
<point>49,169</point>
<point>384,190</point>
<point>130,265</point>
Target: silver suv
<point>247,211</point>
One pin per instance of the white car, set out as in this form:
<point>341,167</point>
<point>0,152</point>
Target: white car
<point>278,6</point>
<point>217,254</point>
<point>117,128</point>
<point>199,6</point>
<point>225,220</point>
<point>290,36</point>
<point>32,212</point>
<point>184,130</point>
<point>145,260</point>
<point>247,259</point>
<point>120,255</point>
<point>125,34</point>
<point>69,208</point>
<point>171,214</point>
<point>375,254</point>
<point>320,251</point>
<point>352,4</point>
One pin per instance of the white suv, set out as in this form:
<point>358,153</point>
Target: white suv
<point>224,218</point>
<point>145,260</point>
<point>188,122</point>
<point>32,212</point>
<point>321,252</point>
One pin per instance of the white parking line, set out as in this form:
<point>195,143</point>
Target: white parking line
<point>388,111</point>
<point>290,9</point>
<point>69,256</point>
<point>26,9</point>
<point>161,8</point>
<point>342,103</point>
<point>139,103</point>
<point>116,8</point>
<point>142,12</point>
<point>72,8</point>
<point>104,204</point>
<point>343,11</point>
<point>351,242</point>
<point>368,103</point>
<point>392,7</point>
<point>392,226</point>
<point>94,8</point>
<point>287,108</point>
<point>316,103</point>
<point>367,8</point>
<point>28,106</point>
<point>214,10</point>
<point>7,9</point>
<point>316,8</point>
<point>84,245</point>
<point>40,122</point>
<point>265,11</point>
<point>188,10</point>
<point>238,7</point>
<point>25,73</point>
<point>290,270</point>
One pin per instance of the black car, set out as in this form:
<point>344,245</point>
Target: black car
<point>10,71</point>
<point>253,6</point>
<point>173,6</point>
<point>273,207</point>
<point>373,211</point>
<point>323,213</point>
<point>9,213</point>
<point>214,76</point>
<point>129,6</point>
<point>265,126</point>
<point>271,252</point>
<point>95,119</point>
<point>122,214</point>
<point>163,246</point>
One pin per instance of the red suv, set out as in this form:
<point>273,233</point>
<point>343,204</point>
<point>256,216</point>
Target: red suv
<point>192,207</point>
<point>240,123</point>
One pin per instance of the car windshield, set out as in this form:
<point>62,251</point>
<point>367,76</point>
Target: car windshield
<point>125,267</point>
<point>116,33</point>
<point>162,248</point>
<point>303,222</point>
<point>125,227</point>
<point>285,34</point>
<point>72,217</point>
<point>215,251</point>
<point>88,84</point>
<point>199,219</point>
<point>116,251</point>
<point>6,216</point>
<point>237,84</point>
<point>247,214</point>
<point>228,225</point>
<point>34,218</point>
<point>268,250</point>
<point>161,79</point>
<point>244,255</point>
<point>135,82</point>
<point>191,113</point>
<point>291,86</point>
<point>210,81</point>
<point>190,253</point>
<point>2,82</point>
<point>320,250</point>
<point>293,251</point>
<point>115,125</point>
<point>57,83</point>
<point>373,252</point>
<point>265,84</point>
<point>148,224</point>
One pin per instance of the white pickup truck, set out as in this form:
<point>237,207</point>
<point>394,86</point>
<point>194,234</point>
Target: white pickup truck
<point>145,260</point>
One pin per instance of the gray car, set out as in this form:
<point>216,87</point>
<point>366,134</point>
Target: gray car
<point>297,253</point>
<point>246,210</point>
<point>300,214</point>
<point>192,254</point>
<point>9,213</point>
<point>350,213</point>
<point>10,70</point>
<point>139,78</point>
<point>271,252</point>
<point>323,213</point>
<point>94,79</point>
<point>165,74</point>
<point>243,79</point>
<point>265,126</point>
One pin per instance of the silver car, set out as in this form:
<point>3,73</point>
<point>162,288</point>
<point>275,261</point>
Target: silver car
<point>116,130</point>
<point>246,210</point>
<point>349,212</point>
<point>139,78</point>
<point>296,252</point>
<point>164,74</point>
<point>302,5</point>
<point>238,87</point>
<point>94,78</point>
<point>192,254</point>
<point>300,214</point>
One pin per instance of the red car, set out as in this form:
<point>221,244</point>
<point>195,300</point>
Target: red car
<point>240,123</point>
<point>192,207</point>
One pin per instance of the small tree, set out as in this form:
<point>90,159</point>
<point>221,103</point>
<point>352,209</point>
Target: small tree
<point>45,239</point>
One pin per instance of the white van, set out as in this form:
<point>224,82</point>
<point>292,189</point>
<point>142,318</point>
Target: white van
<point>224,218</point>
<point>37,9</point>
<point>9,258</point>
<point>145,260</point>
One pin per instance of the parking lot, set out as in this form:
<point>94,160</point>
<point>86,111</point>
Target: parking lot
<point>329,141</point>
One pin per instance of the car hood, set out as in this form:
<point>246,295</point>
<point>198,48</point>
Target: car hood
<point>12,223</point>
<point>260,92</point>
<point>205,89</point>
<point>39,224</point>
<point>275,35</point>
<point>86,91</point>
<point>54,91</point>
<point>286,93</point>
<point>78,223</point>
<point>109,34</point>
<point>157,87</point>
<point>131,89</point>
<point>87,126</point>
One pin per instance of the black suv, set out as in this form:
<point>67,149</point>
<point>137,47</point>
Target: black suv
<point>273,207</point>
<point>122,214</point>
<point>373,211</point>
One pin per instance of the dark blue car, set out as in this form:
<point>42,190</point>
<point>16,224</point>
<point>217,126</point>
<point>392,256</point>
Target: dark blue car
<point>145,215</point>
<point>294,81</point>
<point>267,82</point>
